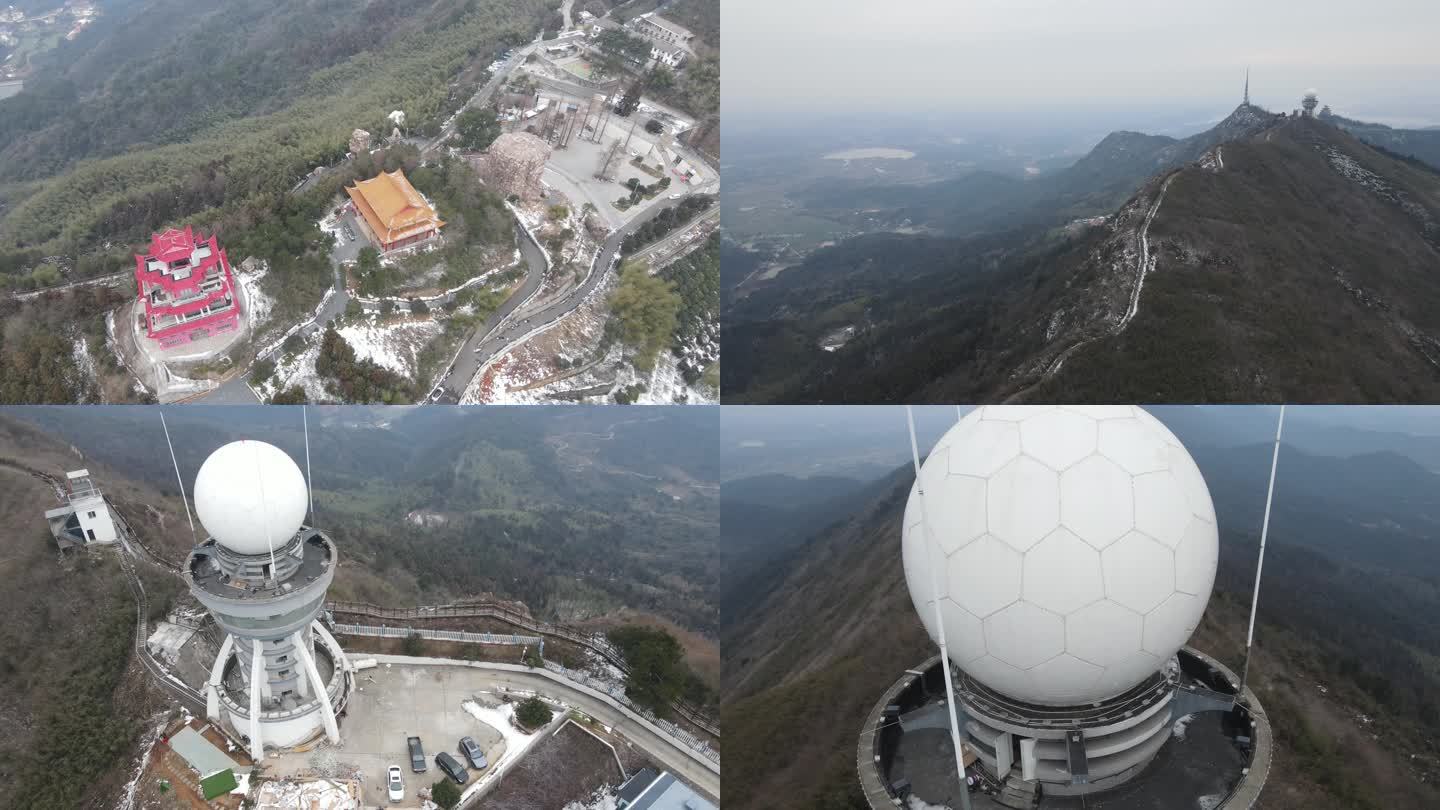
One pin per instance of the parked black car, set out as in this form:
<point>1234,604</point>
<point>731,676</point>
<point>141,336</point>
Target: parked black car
<point>451,768</point>
<point>417,754</point>
<point>473,753</point>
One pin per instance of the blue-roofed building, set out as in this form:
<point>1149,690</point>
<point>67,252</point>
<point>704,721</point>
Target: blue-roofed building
<point>648,791</point>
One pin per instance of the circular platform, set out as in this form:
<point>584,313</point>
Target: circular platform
<point>1170,741</point>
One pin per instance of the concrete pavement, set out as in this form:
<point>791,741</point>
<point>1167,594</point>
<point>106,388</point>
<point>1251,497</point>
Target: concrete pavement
<point>671,754</point>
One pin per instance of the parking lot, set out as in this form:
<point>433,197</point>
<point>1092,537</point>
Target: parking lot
<point>391,704</point>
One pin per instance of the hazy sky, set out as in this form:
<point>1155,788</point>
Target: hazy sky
<point>803,57</point>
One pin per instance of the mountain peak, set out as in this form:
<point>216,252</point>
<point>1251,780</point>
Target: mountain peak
<point>1245,120</point>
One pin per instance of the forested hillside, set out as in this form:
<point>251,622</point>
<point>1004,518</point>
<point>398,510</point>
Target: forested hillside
<point>71,720</point>
<point>122,135</point>
<point>268,93</point>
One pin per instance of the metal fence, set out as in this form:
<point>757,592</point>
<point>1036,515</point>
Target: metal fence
<point>438,635</point>
<point>493,610</point>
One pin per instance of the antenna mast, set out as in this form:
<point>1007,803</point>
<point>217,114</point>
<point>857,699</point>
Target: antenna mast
<point>309,488</point>
<point>939,619</point>
<point>193,539</point>
<point>1247,87</point>
<point>1259,566</point>
<point>265,515</point>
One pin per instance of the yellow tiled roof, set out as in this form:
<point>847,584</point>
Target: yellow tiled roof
<point>391,206</point>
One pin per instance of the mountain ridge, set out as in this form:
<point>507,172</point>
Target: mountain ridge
<point>1230,277</point>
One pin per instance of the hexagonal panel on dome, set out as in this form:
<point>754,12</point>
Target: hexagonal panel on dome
<point>1139,572</point>
<point>1159,427</point>
<point>1096,501</point>
<point>1011,413</point>
<point>1023,502</point>
<point>1161,509</point>
<point>1192,483</point>
<point>1169,626</point>
<point>984,576</point>
<point>981,448</point>
<point>1196,557</point>
<point>1067,677</point>
<point>1022,635</point>
<point>1058,439</point>
<point>964,636</point>
<point>1062,573</point>
<point>1103,633</point>
<point>956,507</point>
<point>1133,445</point>
<point>1102,412</point>
<point>1128,671</point>
<point>1000,676</point>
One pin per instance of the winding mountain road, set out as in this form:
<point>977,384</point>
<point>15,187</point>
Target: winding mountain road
<point>500,333</point>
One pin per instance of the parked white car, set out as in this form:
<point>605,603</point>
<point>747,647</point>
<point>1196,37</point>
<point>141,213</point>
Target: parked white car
<point>395,784</point>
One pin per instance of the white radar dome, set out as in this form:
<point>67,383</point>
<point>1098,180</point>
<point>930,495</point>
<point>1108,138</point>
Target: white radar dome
<point>250,495</point>
<point>1074,547</point>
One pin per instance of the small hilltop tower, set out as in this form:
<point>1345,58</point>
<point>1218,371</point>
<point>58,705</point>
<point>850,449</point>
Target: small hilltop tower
<point>1309,102</point>
<point>1247,87</point>
<point>85,519</point>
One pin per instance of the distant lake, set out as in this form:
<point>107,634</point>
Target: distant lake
<point>8,89</point>
<point>874,152</point>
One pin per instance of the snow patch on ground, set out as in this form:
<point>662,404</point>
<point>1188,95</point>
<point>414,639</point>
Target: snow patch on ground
<point>250,274</point>
<point>127,801</point>
<point>84,365</point>
<point>298,369</point>
<point>601,799</point>
<point>396,345</point>
<point>664,384</point>
<point>1179,728</point>
<point>517,742</point>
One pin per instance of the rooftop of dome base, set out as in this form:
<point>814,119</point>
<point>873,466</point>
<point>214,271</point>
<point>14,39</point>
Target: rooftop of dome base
<point>206,573</point>
<point>1202,761</point>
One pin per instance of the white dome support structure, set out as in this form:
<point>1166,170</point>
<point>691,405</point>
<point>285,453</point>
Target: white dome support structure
<point>217,676</point>
<point>939,620</point>
<point>327,712</point>
<point>1260,564</point>
<point>257,676</point>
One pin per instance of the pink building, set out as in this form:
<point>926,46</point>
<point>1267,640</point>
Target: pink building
<point>187,287</point>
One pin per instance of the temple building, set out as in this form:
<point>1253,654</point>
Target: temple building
<point>392,213</point>
<point>188,289</point>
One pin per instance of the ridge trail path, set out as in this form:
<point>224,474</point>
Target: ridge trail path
<point>1142,269</point>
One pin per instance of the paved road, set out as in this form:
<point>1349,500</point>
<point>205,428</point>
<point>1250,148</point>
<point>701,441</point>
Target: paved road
<point>109,279</point>
<point>677,243</point>
<point>482,96</point>
<point>496,342</point>
<point>467,363</point>
<point>669,753</point>
<point>236,390</point>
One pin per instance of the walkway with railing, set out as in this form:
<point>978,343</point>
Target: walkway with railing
<point>438,635</point>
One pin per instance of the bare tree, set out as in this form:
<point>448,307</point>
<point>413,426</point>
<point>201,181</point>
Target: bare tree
<point>607,161</point>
